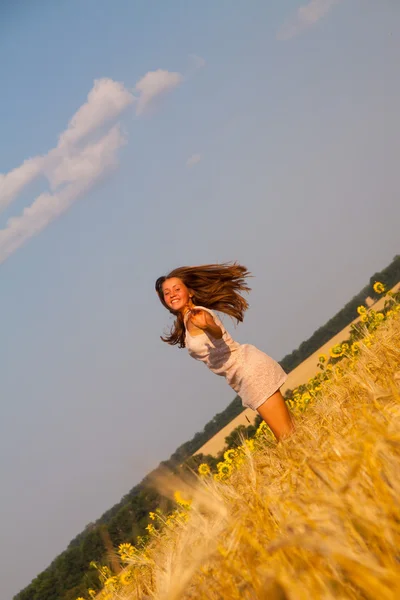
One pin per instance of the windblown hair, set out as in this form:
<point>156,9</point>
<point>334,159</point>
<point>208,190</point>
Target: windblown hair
<point>216,287</point>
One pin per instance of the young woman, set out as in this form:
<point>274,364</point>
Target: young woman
<point>191,294</point>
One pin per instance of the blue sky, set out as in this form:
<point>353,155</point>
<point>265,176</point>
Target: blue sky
<point>160,134</point>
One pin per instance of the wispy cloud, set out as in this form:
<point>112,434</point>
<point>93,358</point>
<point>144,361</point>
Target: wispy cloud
<point>153,85</point>
<point>81,171</point>
<point>193,160</point>
<point>13,182</point>
<point>105,101</point>
<point>79,160</point>
<point>306,16</point>
<point>198,62</point>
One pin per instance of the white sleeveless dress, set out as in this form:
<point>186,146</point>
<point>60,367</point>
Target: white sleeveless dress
<point>252,374</point>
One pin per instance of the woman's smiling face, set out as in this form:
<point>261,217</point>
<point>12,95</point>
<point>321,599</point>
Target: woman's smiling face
<point>176,294</point>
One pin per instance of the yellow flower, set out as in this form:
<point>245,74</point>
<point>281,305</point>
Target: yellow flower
<point>105,571</point>
<point>229,455</point>
<point>184,516</point>
<point>111,581</point>
<point>204,470</point>
<point>126,577</point>
<point>181,501</point>
<point>380,316</point>
<point>364,318</point>
<point>379,287</point>
<point>250,445</point>
<point>217,476</point>
<point>126,551</point>
<point>336,351</point>
<point>339,371</point>
<point>152,515</point>
<point>322,358</point>
<point>151,529</point>
<point>361,310</point>
<point>368,341</point>
<point>224,469</point>
<point>263,428</point>
<point>389,314</point>
<point>92,593</point>
<point>355,347</point>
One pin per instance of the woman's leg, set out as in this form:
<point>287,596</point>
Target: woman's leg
<point>275,413</point>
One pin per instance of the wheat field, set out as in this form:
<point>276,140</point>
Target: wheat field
<point>315,516</point>
<point>297,376</point>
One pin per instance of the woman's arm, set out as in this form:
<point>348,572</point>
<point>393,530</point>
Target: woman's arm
<point>203,320</point>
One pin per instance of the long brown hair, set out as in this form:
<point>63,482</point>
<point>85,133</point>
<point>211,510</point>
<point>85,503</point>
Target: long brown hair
<point>215,287</point>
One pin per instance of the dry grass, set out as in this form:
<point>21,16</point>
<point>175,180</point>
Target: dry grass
<point>301,374</point>
<point>317,516</point>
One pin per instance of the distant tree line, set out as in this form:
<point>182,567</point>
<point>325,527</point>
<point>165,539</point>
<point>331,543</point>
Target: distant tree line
<point>70,575</point>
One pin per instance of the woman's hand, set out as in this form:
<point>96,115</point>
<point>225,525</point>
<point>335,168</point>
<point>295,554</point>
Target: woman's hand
<point>203,320</point>
<point>199,318</point>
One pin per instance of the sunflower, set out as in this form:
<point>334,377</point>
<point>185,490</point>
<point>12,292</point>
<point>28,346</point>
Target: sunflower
<point>250,445</point>
<point>224,469</point>
<point>204,470</point>
<point>263,427</point>
<point>126,551</point>
<point>379,287</point>
<point>361,310</point>
<point>111,581</point>
<point>336,351</point>
<point>339,371</point>
<point>229,455</point>
<point>126,577</point>
<point>368,341</point>
<point>181,501</point>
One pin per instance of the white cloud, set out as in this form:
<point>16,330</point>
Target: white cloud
<point>75,164</point>
<point>154,84</point>
<point>193,160</point>
<point>13,182</point>
<point>83,163</point>
<point>305,17</point>
<point>105,101</point>
<point>198,62</point>
<point>81,172</point>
